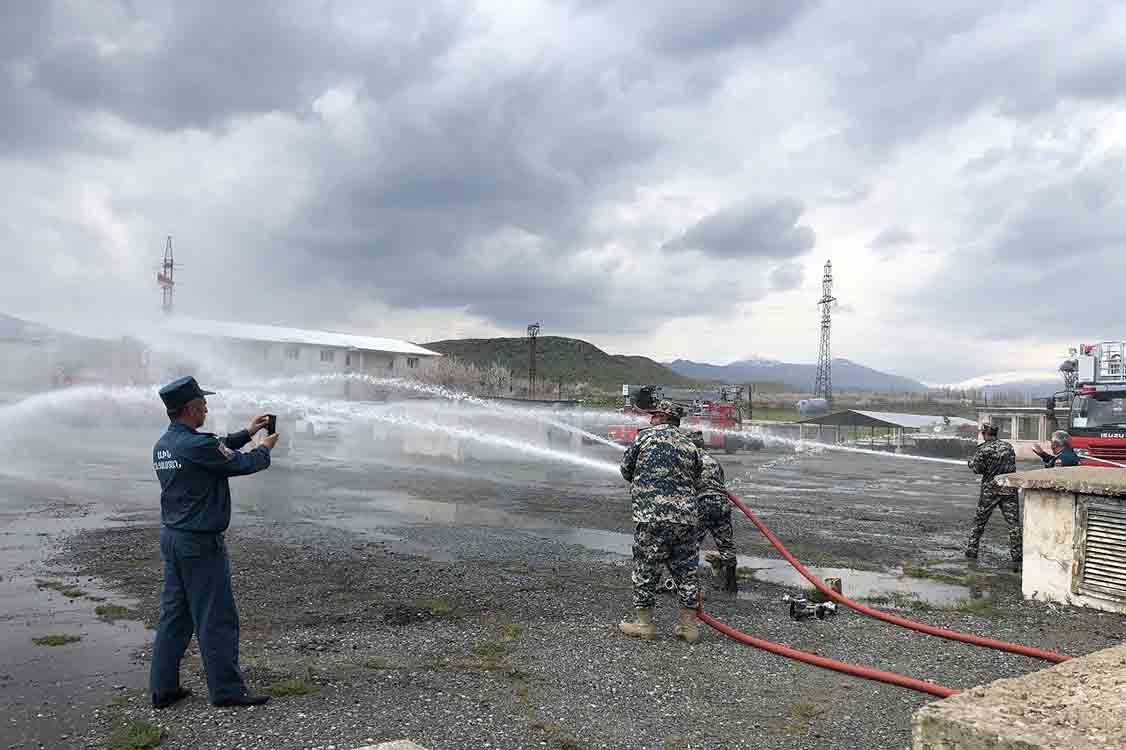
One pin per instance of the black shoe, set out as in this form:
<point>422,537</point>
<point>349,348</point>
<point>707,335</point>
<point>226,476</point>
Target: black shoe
<point>971,555</point>
<point>243,700</point>
<point>169,699</point>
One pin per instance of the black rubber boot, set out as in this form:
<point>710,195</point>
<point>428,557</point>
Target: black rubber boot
<point>730,579</point>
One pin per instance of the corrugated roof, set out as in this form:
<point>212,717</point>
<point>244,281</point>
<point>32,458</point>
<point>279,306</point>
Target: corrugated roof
<point>918,421</point>
<point>858,418</point>
<point>254,332</point>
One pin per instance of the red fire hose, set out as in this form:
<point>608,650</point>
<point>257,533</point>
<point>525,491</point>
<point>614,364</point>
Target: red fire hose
<point>820,661</point>
<point>1012,648</point>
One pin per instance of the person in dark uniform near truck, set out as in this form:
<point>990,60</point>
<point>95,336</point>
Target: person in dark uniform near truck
<point>992,459</point>
<point>195,509</point>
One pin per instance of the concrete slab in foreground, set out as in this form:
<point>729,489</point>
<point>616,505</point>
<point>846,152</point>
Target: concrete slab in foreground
<point>1078,704</point>
<point>396,745</point>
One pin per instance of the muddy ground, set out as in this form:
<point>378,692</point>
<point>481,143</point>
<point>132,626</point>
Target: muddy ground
<point>473,606</point>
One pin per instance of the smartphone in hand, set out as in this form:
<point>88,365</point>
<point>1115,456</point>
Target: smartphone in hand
<point>271,424</point>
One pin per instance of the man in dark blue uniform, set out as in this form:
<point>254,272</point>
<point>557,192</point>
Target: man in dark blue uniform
<point>195,510</point>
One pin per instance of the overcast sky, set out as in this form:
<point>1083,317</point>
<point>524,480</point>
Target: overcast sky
<point>656,181</point>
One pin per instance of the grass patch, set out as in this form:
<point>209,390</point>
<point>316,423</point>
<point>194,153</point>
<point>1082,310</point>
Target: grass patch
<point>918,571</point>
<point>290,688</point>
<point>112,612</point>
<point>436,607</point>
<point>56,639</point>
<point>982,607</point>
<point>899,600</point>
<point>378,663</point>
<point>137,735</point>
<point>971,579</point>
<point>69,590</point>
<point>509,632</point>
<point>800,716</point>
<point>474,665</point>
<point>489,649</point>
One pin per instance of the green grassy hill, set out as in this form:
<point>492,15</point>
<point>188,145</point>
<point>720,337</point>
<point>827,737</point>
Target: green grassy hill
<point>571,360</point>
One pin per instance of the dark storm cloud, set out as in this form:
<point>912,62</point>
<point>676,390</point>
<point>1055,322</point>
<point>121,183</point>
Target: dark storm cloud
<point>194,65</point>
<point>1054,248</point>
<point>711,26</point>
<point>700,28</point>
<point>891,238</point>
<point>32,120</point>
<point>483,202</point>
<point>1074,219</point>
<point>927,67</point>
<point>786,276</point>
<point>763,229</point>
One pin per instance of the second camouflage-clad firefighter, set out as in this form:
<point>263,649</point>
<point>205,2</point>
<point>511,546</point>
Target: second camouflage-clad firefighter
<point>714,510</point>
<point>664,469</point>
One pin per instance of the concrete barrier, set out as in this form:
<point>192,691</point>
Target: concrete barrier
<point>1074,535</point>
<point>1078,704</point>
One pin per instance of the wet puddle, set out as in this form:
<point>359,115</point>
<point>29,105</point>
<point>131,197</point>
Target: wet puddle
<point>367,512</point>
<point>45,690</point>
<point>857,584</point>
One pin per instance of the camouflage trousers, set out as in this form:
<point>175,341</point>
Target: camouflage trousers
<point>715,519</point>
<point>673,545</point>
<point>1010,508</point>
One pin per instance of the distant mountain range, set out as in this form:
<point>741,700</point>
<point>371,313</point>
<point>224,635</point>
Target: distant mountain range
<point>574,360</point>
<point>1024,382</point>
<point>847,375</point>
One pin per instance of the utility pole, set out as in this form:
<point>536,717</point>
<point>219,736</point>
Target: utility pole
<point>164,278</point>
<point>823,388</point>
<point>533,332</point>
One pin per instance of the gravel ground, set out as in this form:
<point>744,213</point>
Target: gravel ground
<point>474,654</point>
<point>476,607</point>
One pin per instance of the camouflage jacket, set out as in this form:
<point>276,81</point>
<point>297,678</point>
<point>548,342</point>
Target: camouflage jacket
<point>713,492</point>
<point>992,459</point>
<point>663,468</point>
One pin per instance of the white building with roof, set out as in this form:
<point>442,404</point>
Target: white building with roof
<point>284,352</point>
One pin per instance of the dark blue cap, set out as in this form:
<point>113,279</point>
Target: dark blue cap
<point>180,391</point>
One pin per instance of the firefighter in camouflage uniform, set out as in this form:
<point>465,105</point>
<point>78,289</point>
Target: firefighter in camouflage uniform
<point>663,468</point>
<point>992,459</point>
<point>715,513</point>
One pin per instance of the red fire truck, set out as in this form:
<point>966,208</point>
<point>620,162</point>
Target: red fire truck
<point>716,412</point>
<point>1097,403</point>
